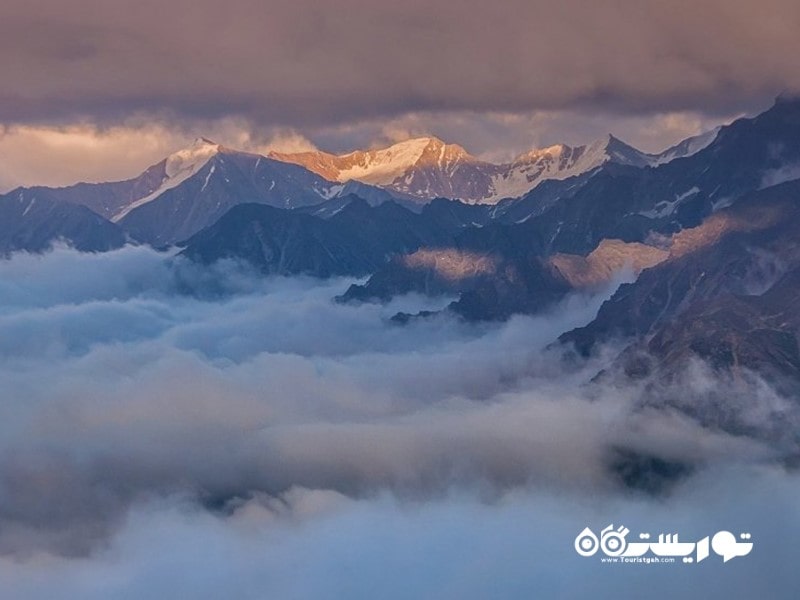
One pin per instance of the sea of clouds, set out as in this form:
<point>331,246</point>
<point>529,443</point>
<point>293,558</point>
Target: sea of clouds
<point>168,430</point>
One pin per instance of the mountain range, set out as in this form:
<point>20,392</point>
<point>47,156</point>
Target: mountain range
<point>712,241</point>
<point>707,232</point>
<point>427,168</point>
<point>192,188</point>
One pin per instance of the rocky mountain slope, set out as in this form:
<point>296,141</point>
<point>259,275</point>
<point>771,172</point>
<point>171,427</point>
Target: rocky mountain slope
<point>34,223</point>
<point>640,207</point>
<point>357,240</point>
<point>713,330</point>
<point>192,188</point>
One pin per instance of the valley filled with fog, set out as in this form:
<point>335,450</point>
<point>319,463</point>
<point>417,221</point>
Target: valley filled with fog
<point>254,431</point>
<point>359,300</point>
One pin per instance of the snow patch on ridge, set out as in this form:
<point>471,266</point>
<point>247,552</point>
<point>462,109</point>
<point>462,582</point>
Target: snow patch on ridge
<point>665,209</point>
<point>382,167</point>
<point>559,162</point>
<point>782,174</point>
<point>687,147</point>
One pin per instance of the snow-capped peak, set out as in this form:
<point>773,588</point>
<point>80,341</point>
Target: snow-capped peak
<point>178,167</point>
<point>190,159</point>
<point>441,154</point>
<point>380,166</point>
<point>385,165</point>
<point>608,148</point>
<point>426,167</point>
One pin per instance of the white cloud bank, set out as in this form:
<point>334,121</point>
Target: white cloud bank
<point>167,431</point>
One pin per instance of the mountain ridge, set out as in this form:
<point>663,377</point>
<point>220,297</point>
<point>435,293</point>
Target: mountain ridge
<point>428,168</point>
<point>194,186</point>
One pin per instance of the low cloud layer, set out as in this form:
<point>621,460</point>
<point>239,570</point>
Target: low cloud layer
<point>160,419</point>
<point>322,545</point>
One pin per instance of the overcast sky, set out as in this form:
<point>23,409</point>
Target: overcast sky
<point>123,82</point>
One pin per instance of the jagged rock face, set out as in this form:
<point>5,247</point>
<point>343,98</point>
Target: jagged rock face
<point>709,326</point>
<point>571,229</point>
<point>446,171</point>
<point>713,331</point>
<point>495,286</point>
<point>490,286</point>
<point>279,242</point>
<point>735,333</point>
<point>207,190</point>
<point>736,251</point>
<point>450,264</point>
<point>382,166</point>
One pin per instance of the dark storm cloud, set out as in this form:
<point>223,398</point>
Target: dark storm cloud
<point>308,63</point>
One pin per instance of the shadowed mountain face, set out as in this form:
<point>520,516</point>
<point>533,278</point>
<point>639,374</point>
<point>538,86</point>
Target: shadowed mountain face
<point>413,252</point>
<point>737,332</point>
<point>739,251</point>
<point>225,180</point>
<point>105,199</point>
<point>34,223</point>
<point>357,240</point>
